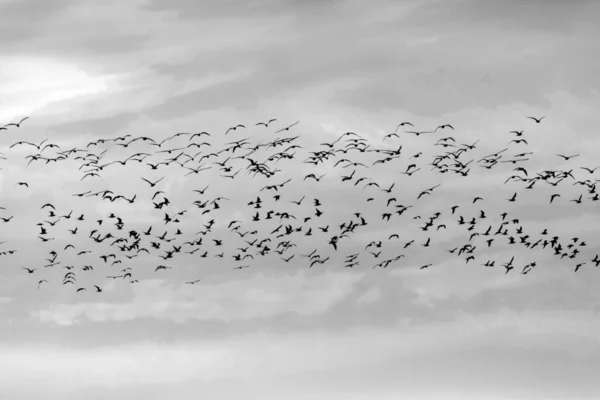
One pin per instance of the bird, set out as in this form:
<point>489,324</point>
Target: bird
<point>443,127</point>
<point>17,124</point>
<point>313,176</point>
<point>266,124</point>
<point>233,128</point>
<point>152,184</point>
<point>401,124</point>
<point>537,120</point>
<point>567,158</point>
<point>517,141</point>
<point>287,128</point>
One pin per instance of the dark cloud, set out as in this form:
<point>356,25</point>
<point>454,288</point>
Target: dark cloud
<point>23,21</point>
<point>553,17</point>
<point>33,11</point>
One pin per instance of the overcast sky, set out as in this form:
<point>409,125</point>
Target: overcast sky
<point>84,70</point>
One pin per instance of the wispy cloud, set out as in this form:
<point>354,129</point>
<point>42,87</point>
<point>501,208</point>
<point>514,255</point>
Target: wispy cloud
<point>258,296</point>
<point>266,356</point>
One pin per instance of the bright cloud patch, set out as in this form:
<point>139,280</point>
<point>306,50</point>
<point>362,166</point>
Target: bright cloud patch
<point>28,84</point>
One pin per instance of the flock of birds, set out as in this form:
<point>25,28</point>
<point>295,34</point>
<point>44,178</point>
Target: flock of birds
<point>274,224</point>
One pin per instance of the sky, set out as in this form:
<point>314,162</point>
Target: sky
<point>85,70</point>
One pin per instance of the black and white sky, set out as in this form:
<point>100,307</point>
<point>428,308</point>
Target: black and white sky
<point>83,70</point>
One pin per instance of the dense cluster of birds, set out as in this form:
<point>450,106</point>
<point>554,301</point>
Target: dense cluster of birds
<point>273,222</point>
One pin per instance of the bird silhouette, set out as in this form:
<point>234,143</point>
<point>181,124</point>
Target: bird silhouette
<point>537,120</point>
<point>17,124</point>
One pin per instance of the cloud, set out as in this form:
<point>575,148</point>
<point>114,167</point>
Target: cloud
<point>258,296</point>
<point>266,357</point>
<point>372,295</point>
<point>422,41</point>
<point>30,84</point>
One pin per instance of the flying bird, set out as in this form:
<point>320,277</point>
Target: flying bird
<point>17,124</point>
<point>537,120</point>
<point>266,124</point>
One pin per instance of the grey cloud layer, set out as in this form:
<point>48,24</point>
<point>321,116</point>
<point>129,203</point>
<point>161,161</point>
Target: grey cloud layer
<point>335,66</point>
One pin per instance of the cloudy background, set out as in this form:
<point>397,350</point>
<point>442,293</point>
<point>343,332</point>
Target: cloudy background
<point>86,70</point>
